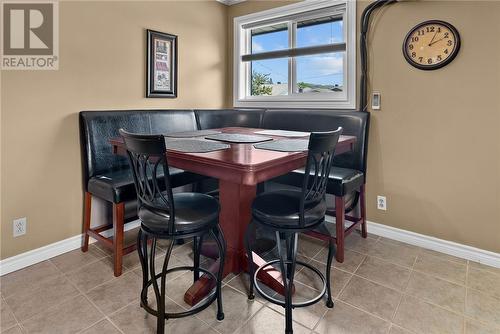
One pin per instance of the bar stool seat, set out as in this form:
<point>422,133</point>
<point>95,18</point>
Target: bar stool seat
<point>281,208</point>
<point>193,211</point>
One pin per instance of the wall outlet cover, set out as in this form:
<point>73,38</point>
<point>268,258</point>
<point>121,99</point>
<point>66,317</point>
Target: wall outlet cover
<point>382,203</point>
<point>19,226</point>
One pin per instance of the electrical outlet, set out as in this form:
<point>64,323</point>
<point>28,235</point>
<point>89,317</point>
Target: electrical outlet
<point>19,226</point>
<point>381,203</point>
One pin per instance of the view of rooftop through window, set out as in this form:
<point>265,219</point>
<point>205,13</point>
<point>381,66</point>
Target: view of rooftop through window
<point>314,74</point>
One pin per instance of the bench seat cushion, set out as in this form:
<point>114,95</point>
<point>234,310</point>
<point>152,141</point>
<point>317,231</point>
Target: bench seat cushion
<point>118,186</point>
<point>341,181</point>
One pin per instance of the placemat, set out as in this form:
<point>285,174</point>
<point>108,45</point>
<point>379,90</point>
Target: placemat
<point>283,133</point>
<point>194,145</point>
<point>285,145</point>
<point>238,138</point>
<point>190,134</point>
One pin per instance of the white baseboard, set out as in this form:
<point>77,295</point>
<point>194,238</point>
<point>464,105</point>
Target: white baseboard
<point>34,256</point>
<point>448,247</point>
<point>440,245</point>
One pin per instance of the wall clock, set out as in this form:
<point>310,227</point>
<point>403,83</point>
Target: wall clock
<point>431,45</point>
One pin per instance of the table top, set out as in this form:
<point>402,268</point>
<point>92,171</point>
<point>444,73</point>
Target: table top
<point>241,163</point>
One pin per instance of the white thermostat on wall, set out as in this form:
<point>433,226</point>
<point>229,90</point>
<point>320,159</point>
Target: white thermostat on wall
<point>376,101</point>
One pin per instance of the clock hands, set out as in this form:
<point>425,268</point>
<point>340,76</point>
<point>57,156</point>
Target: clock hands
<point>436,41</point>
<point>430,43</point>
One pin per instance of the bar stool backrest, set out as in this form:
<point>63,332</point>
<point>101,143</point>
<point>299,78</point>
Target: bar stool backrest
<point>148,160</point>
<point>319,162</point>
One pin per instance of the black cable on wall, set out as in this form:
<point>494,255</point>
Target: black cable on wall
<point>363,48</point>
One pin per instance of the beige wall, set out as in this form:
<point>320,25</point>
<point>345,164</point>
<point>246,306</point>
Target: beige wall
<point>102,61</point>
<point>434,147</point>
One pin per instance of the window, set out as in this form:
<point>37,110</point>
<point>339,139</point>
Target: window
<point>301,55</point>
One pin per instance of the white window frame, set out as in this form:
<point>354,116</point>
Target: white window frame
<point>241,70</point>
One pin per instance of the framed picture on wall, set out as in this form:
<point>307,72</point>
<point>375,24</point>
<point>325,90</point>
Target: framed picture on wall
<point>161,69</point>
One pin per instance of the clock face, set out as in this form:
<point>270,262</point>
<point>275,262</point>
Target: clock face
<point>431,45</point>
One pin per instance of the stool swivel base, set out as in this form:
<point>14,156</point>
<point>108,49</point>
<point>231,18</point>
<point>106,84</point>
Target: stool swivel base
<point>148,271</point>
<point>287,268</point>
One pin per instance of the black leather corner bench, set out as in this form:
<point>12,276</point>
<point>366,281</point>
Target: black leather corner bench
<point>108,177</point>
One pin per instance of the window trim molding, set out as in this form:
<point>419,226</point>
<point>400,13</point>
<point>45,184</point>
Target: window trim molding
<point>240,98</point>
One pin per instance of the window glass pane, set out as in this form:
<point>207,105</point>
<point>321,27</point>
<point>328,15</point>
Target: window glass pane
<point>269,77</point>
<point>270,38</point>
<point>323,73</point>
<point>325,30</point>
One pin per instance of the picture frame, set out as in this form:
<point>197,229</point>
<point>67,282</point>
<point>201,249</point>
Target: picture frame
<point>161,71</point>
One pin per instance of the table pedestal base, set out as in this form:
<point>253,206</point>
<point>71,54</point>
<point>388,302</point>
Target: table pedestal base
<point>202,287</point>
<point>236,202</point>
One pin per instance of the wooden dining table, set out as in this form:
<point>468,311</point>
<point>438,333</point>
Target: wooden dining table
<point>239,169</point>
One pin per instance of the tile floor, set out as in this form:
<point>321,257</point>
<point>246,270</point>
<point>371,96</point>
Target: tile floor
<point>383,286</point>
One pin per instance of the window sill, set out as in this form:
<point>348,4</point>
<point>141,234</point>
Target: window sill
<point>315,104</point>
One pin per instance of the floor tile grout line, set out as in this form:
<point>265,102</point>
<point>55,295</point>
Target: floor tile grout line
<point>340,268</point>
<point>462,262</point>
<point>484,293</point>
<point>489,271</point>
<point>95,323</point>
<point>250,318</point>
<point>404,290</point>
<point>393,324</point>
<point>421,249</point>
<point>378,283</point>
<point>465,285</point>
<point>49,307</point>
<point>380,258</point>
<point>403,294</point>
<point>121,308</point>
<point>440,277</point>
<point>74,270</point>
<point>436,305</point>
<point>109,281</point>
<point>18,323</point>
<point>364,311</point>
<point>110,256</point>
<point>361,309</point>
<point>267,306</point>
<point>108,317</point>
<point>91,303</point>
<point>466,295</point>
<point>339,294</point>
<point>36,290</point>
<point>483,322</point>
<point>350,278</point>
<point>114,278</point>
<point>48,280</point>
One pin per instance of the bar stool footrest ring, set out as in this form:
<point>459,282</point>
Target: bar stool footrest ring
<point>273,300</point>
<point>171,315</point>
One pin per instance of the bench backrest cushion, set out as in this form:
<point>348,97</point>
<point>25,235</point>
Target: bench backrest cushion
<point>98,127</point>
<point>169,121</point>
<point>354,123</point>
<point>220,118</point>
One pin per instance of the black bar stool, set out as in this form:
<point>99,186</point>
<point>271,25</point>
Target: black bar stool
<point>289,212</point>
<point>165,215</point>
